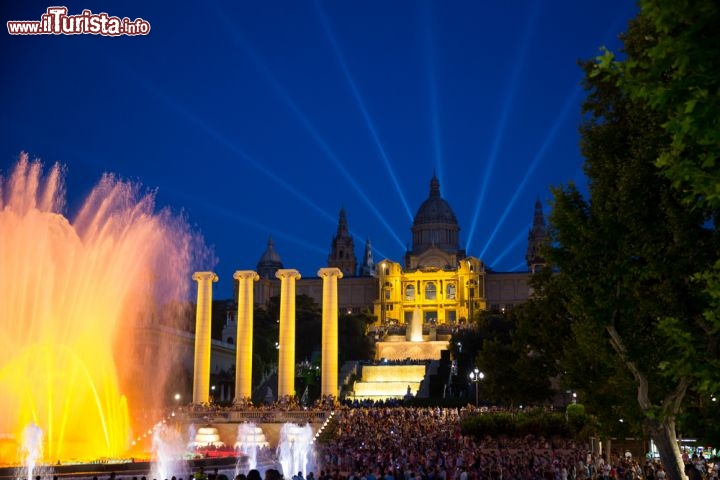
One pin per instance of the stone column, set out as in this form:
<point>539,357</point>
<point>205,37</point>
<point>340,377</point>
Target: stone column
<point>286,354</point>
<point>203,322</point>
<point>244,350</point>
<point>329,368</point>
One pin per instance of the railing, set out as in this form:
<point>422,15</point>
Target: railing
<point>254,416</point>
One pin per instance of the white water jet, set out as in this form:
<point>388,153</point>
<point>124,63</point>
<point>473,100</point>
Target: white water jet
<point>295,450</point>
<point>416,326</point>
<point>169,448</point>
<point>31,450</point>
<point>192,432</point>
<point>250,438</point>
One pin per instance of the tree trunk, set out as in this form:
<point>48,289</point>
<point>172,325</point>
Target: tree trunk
<point>662,431</point>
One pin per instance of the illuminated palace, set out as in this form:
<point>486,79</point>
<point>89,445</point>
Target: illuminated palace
<point>437,278</point>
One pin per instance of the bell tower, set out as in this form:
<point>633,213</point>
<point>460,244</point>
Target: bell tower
<point>536,239</point>
<point>342,252</point>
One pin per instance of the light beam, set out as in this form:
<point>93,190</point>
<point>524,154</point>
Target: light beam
<point>500,129</point>
<point>432,86</point>
<point>227,143</point>
<point>361,105</point>
<point>518,238</point>
<point>305,122</point>
<point>570,102</point>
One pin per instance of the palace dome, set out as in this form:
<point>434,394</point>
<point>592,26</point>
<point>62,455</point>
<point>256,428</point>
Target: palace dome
<point>269,262</point>
<point>435,209</point>
<point>435,229</point>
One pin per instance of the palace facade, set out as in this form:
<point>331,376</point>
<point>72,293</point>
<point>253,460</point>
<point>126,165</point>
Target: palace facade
<point>436,278</point>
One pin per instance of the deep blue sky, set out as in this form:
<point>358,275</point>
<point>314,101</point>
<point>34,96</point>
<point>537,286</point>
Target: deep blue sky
<point>262,118</point>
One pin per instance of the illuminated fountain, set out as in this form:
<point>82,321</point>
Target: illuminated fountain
<point>30,451</point>
<point>295,449</point>
<point>207,437</point>
<point>250,438</point>
<point>169,448</point>
<point>416,326</point>
<point>74,295</point>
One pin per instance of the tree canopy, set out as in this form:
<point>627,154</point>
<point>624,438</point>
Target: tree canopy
<point>628,288</point>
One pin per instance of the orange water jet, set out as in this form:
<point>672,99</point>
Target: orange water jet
<point>74,296</point>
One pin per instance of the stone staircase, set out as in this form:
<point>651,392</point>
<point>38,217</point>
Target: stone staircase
<point>389,381</point>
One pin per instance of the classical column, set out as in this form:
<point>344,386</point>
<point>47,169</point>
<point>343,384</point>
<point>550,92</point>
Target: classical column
<point>203,322</point>
<point>329,381</point>
<point>286,354</point>
<point>244,350</point>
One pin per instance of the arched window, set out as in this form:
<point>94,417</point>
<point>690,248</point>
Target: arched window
<point>410,292</point>
<point>450,291</point>
<point>430,291</point>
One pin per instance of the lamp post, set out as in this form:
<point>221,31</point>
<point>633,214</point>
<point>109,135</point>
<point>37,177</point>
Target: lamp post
<point>475,377</point>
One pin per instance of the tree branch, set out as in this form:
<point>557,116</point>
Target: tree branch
<point>642,383</point>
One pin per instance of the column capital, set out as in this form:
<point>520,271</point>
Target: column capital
<point>287,273</point>
<point>330,272</point>
<point>246,275</point>
<point>198,276</point>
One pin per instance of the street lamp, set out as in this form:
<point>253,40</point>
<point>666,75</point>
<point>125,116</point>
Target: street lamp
<point>476,376</point>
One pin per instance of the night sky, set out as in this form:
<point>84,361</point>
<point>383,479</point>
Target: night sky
<point>258,118</point>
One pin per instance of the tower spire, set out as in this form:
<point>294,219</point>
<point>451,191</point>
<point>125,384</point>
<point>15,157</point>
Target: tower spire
<point>367,269</point>
<point>342,250</point>
<point>536,239</point>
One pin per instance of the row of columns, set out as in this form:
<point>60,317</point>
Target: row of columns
<point>244,344</point>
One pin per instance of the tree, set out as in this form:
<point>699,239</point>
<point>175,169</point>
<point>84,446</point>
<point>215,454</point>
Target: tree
<point>514,374</point>
<point>353,342</point>
<point>675,74</point>
<point>626,259</point>
<point>571,358</point>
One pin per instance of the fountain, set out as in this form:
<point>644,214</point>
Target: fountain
<point>30,451</point>
<point>169,448</point>
<point>207,437</point>
<point>416,326</point>
<point>295,449</point>
<point>74,295</point>
<point>250,438</point>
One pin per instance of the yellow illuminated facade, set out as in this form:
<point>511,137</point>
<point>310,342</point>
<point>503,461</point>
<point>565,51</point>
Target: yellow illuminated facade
<point>444,296</point>
<point>438,279</point>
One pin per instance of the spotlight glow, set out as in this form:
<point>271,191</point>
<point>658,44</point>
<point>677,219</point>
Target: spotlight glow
<point>258,165</point>
<point>570,102</point>
<point>361,106</point>
<point>307,124</point>
<point>432,87</point>
<point>233,215</point>
<point>500,130</point>
<point>518,238</point>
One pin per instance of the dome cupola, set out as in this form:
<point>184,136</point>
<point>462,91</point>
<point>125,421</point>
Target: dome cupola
<point>435,228</point>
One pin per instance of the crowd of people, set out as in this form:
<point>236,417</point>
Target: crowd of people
<point>404,443</point>
<point>389,441</point>
<point>396,442</point>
